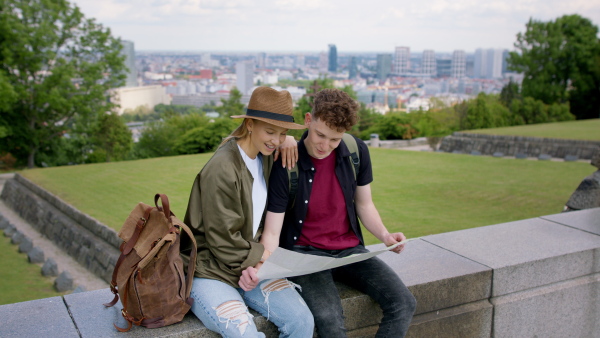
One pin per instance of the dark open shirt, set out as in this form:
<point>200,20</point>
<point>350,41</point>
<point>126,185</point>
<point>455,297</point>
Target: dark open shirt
<point>279,189</point>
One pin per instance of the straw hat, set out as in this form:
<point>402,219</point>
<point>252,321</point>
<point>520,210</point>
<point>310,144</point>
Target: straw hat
<point>271,106</point>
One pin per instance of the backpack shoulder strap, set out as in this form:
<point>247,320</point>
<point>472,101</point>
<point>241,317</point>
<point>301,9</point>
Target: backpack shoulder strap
<point>292,185</point>
<point>189,278</point>
<point>354,158</point>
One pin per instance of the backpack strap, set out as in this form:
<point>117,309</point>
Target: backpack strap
<point>189,278</point>
<point>354,159</point>
<point>139,226</point>
<point>293,185</point>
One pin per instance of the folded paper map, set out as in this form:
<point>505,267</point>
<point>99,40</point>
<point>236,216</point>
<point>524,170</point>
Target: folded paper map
<point>285,263</point>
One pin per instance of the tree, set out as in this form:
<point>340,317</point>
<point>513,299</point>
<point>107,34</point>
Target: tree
<point>59,65</point>
<point>206,138</point>
<point>233,105</point>
<point>561,63</point>
<point>160,137</point>
<point>112,137</point>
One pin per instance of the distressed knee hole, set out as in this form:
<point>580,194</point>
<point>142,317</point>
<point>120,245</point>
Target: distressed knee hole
<point>236,312</point>
<point>276,285</point>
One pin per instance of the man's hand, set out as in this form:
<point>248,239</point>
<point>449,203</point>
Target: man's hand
<point>391,239</point>
<point>249,280</point>
<point>288,151</point>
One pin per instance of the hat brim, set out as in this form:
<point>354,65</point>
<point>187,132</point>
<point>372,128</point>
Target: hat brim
<point>287,125</point>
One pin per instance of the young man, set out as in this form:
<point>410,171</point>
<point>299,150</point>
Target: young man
<point>324,220</point>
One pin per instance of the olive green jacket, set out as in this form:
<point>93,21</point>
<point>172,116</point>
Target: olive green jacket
<point>219,213</point>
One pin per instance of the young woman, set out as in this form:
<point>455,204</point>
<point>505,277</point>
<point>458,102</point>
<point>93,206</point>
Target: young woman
<point>226,213</point>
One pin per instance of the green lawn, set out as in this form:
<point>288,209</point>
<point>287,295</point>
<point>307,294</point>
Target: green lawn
<point>574,130</point>
<point>418,193</point>
<point>20,280</point>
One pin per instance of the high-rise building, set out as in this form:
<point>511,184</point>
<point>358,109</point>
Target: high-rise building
<point>131,72</point>
<point>300,61</point>
<point>488,63</point>
<point>444,66</point>
<point>353,68</point>
<point>244,70</point>
<point>332,58</point>
<point>322,65</point>
<point>428,63</point>
<point>261,60</point>
<point>401,63</point>
<point>459,64</point>
<point>384,65</point>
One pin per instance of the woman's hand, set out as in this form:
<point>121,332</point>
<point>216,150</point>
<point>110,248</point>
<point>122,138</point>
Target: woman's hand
<point>288,151</point>
<point>249,280</point>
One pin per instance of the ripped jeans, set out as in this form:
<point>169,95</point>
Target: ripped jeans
<point>222,308</point>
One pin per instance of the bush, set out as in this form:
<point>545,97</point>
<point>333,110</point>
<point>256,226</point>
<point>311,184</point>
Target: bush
<point>206,138</point>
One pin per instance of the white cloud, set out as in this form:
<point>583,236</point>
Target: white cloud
<point>354,25</point>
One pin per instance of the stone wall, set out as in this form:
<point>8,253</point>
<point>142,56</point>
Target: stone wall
<point>534,277</point>
<point>513,145</point>
<point>93,244</point>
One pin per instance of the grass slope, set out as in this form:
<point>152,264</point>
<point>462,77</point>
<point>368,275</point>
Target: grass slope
<point>573,130</point>
<point>418,193</point>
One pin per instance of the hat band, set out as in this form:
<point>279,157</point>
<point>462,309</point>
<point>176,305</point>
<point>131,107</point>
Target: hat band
<point>268,115</point>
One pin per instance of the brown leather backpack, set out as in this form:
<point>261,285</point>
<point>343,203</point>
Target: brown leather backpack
<point>149,274</point>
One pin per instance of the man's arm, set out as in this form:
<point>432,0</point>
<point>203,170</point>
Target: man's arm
<point>369,216</point>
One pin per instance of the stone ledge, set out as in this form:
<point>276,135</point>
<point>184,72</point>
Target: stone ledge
<point>556,310</point>
<point>512,145</point>
<point>79,242</point>
<point>94,226</point>
<point>522,253</point>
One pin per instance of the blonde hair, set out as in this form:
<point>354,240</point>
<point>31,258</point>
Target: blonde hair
<point>241,132</point>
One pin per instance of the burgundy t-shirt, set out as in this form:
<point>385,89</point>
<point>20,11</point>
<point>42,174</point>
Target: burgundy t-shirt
<point>326,225</point>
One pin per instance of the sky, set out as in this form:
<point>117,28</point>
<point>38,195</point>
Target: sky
<point>311,25</point>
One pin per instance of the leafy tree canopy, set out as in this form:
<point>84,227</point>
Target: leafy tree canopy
<point>233,105</point>
<point>561,63</point>
<point>55,65</point>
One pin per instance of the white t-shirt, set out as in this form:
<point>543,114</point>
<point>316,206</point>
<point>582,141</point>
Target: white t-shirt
<point>259,188</point>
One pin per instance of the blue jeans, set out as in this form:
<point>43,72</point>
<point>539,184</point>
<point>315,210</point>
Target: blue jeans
<point>222,308</point>
<point>372,277</point>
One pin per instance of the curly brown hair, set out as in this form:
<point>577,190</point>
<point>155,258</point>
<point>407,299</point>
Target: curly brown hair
<point>336,108</point>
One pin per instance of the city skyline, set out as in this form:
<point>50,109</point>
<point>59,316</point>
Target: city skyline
<point>311,25</point>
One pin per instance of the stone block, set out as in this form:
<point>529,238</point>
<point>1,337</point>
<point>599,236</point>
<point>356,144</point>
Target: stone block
<point>520,156</point>
<point>586,220</point>
<point>523,253</point>
<point>35,255</point>
<point>79,288</point>
<point>498,154</point>
<point>475,153</point>
<point>26,245</point>
<point>3,222</point>
<point>50,268</point>
<point>87,305</point>
<point>64,282</point>
<point>47,317</point>
<point>17,237</point>
<point>437,277</point>
<point>9,230</point>
<point>468,320</point>
<point>556,310</point>
<point>544,157</point>
<point>571,158</point>
<point>587,194</point>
